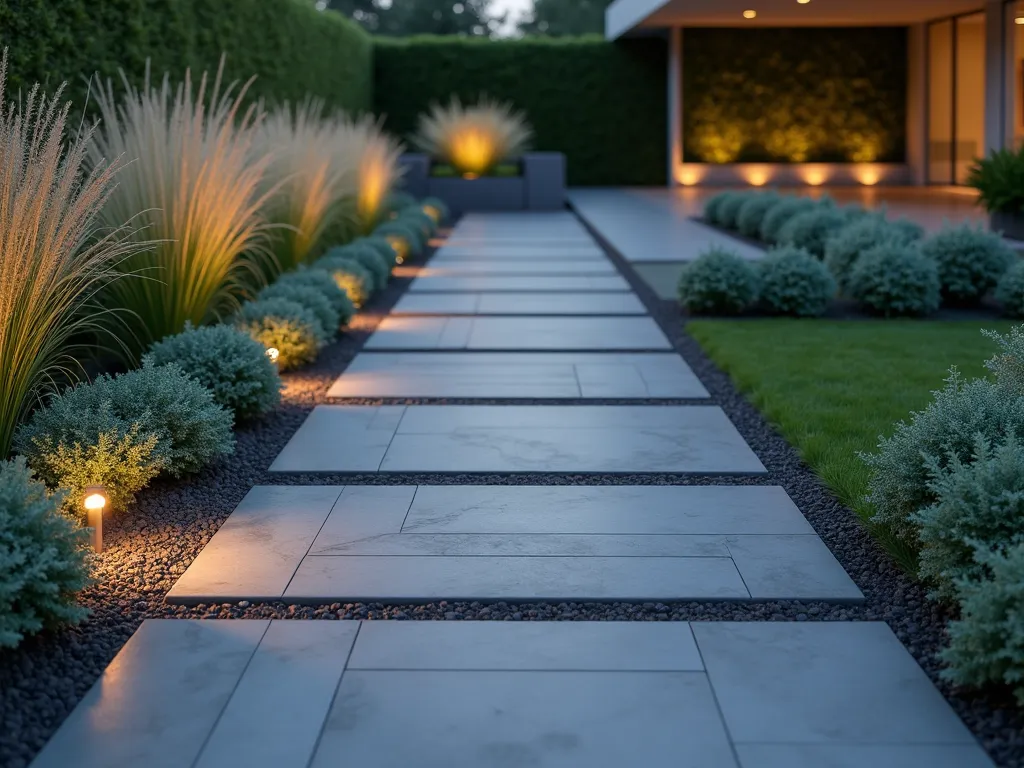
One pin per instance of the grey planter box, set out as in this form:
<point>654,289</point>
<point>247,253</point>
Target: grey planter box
<point>541,187</point>
<point>1010,224</point>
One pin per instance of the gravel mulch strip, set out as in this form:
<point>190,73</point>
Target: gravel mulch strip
<point>150,547</point>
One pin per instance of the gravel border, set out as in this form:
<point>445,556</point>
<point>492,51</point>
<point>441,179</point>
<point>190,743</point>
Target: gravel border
<point>147,549</point>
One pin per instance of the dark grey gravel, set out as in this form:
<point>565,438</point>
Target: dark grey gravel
<point>150,547</point>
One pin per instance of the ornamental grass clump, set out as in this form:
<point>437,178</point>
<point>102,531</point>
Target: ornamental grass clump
<point>1010,290</point>
<point>310,298</point>
<point>979,503</point>
<point>793,282</point>
<point>383,248</point>
<point>195,184</point>
<point>751,214</point>
<point>368,156</point>
<point>845,246</point>
<point>970,262</point>
<point>986,645</point>
<point>811,229</point>
<point>780,213</point>
<point>354,279</point>
<point>473,139</point>
<point>367,257</point>
<point>303,191</point>
<point>718,282</point>
<point>228,362</point>
<point>286,326</point>
<point>56,254</point>
<point>403,238</point>
<point>323,282</point>
<point>44,557</point>
<point>892,279</point>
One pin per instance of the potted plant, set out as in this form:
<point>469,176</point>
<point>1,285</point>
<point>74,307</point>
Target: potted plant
<point>999,179</point>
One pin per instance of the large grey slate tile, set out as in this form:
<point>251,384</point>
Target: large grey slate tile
<point>339,436</point>
<point>256,551</point>
<point>517,283</point>
<point>501,719</point>
<point>364,512</point>
<point>823,683</point>
<point>535,240</point>
<point>862,756</point>
<point>519,304</point>
<point>523,251</point>
<point>448,419</point>
<point>514,579</point>
<point>275,716</point>
<point>159,699</point>
<point>518,333</point>
<point>518,375</point>
<point>606,509</point>
<point>562,646</point>
<point>791,568</point>
<point>498,267</point>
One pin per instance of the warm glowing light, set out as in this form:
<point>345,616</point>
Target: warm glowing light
<point>803,2</point>
<point>273,353</point>
<point>469,176</point>
<point>433,213</point>
<point>690,175</point>
<point>756,176</point>
<point>868,176</point>
<point>95,501</point>
<point>1019,20</point>
<point>750,14</point>
<point>399,246</point>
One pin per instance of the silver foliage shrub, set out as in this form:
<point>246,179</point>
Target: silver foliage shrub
<point>845,246</point>
<point>892,279</point>
<point>793,282</point>
<point>812,228</point>
<point>970,262</point>
<point>718,282</point>
<point>1010,290</point>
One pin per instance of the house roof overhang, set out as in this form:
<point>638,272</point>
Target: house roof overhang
<point>628,17</point>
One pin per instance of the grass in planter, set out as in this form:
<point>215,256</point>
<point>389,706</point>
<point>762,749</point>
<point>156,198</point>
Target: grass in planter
<point>504,171</point>
<point>831,388</point>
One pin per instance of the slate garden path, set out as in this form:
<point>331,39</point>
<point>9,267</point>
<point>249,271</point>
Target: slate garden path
<point>515,308</point>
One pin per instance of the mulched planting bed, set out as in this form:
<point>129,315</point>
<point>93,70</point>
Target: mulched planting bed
<point>152,545</point>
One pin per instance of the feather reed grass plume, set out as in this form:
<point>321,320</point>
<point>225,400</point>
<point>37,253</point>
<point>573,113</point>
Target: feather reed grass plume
<point>55,257</point>
<point>369,158</point>
<point>473,139</point>
<point>307,190</point>
<point>196,185</point>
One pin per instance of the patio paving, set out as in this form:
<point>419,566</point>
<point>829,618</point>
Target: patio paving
<point>290,694</point>
<point>570,250</point>
<point>498,266</point>
<point>518,375</point>
<point>518,283</point>
<point>519,304</point>
<point>518,438</point>
<point>519,333</point>
<point>404,543</point>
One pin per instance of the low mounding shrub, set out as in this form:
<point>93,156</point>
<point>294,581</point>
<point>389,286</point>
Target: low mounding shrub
<point>793,282</point>
<point>383,248</point>
<point>902,467</point>
<point>1010,290</point>
<point>811,229</point>
<point>844,247</point>
<point>44,557</point>
<point>192,430</point>
<point>367,257</point>
<point>1007,365</point>
<point>414,216</point>
<point>729,209</point>
<point>354,279</point>
<point>752,213</point>
<point>402,237</point>
<point>893,279</point>
<point>987,643</point>
<point>777,216</point>
<point>978,504</point>
<point>310,298</point>
<point>286,326</point>
<point>228,362</point>
<point>970,262</point>
<point>436,209</point>
<point>718,282</point>
<point>323,282</point>
<point>714,205</point>
<point>397,201</point>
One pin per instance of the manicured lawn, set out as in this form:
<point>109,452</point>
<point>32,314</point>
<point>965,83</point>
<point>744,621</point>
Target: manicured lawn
<point>831,388</point>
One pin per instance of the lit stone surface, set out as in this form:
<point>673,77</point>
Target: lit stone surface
<point>518,375</point>
<point>498,266</point>
<point>287,694</point>
<point>519,304</point>
<point>517,283</point>
<point>519,333</point>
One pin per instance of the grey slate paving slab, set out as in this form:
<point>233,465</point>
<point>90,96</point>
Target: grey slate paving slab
<point>518,333</point>
<point>500,719</point>
<point>494,694</point>
<point>525,252</point>
<point>498,267</point>
<point>510,303</point>
<point>517,283</point>
<point>514,438</point>
<point>415,579</point>
<point>565,646</point>
<point>518,375</point>
<point>823,683</point>
<point>790,567</point>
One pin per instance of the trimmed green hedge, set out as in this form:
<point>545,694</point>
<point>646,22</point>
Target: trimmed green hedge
<point>603,104</point>
<point>291,47</point>
<point>795,95</point>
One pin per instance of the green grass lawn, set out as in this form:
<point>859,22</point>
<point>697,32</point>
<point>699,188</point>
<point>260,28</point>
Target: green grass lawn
<point>831,388</point>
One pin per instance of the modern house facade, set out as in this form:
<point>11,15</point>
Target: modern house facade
<point>834,91</point>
